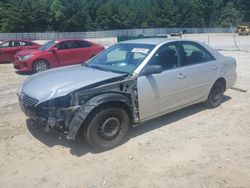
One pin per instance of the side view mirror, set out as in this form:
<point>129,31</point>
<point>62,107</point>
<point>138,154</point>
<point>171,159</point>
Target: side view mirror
<point>54,50</point>
<point>152,69</point>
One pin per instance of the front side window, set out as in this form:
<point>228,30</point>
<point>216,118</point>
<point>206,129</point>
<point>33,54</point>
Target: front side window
<point>121,58</point>
<point>65,45</point>
<point>167,56</point>
<point>194,54</point>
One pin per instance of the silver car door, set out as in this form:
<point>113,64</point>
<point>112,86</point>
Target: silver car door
<point>159,93</point>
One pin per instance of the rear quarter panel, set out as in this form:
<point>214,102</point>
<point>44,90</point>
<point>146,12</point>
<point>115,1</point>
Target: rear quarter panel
<point>228,71</point>
<point>96,49</point>
<point>227,66</point>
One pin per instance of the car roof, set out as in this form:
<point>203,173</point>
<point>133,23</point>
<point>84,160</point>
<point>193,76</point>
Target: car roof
<point>19,40</point>
<point>24,40</point>
<point>65,40</point>
<point>62,40</point>
<point>152,41</point>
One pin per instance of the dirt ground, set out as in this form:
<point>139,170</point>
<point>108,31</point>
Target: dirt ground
<point>194,147</point>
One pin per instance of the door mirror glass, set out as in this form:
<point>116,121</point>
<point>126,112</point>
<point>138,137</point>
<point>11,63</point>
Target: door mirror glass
<point>152,69</point>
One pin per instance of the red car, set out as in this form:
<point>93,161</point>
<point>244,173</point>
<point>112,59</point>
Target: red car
<point>9,48</point>
<point>56,54</point>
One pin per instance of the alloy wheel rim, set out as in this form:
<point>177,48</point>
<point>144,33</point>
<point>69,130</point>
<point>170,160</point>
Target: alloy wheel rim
<point>40,66</point>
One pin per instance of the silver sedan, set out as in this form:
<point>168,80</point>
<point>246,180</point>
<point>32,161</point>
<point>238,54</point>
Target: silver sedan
<point>128,83</point>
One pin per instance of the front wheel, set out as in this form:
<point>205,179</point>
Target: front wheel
<point>107,128</point>
<point>215,95</point>
<point>40,65</point>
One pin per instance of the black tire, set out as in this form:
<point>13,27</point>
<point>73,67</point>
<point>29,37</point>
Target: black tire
<point>40,66</point>
<point>216,94</point>
<point>107,128</point>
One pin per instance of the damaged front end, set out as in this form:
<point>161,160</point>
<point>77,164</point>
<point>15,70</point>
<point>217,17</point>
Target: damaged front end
<point>68,113</point>
<point>52,114</point>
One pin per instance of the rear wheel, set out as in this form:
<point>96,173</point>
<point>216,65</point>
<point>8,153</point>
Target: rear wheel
<point>40,65</point>
<point>107,128</point>
<point>215,95</point>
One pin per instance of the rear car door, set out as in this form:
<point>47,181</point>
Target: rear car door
<point>199,69</point>
<point>4,51</point>
<point>83,51</point>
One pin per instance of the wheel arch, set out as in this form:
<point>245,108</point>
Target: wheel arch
<point>212,104</point>
<point>87,111</point>
<point>221,80</point>
<point>114,103</point>
<point>39,59</point>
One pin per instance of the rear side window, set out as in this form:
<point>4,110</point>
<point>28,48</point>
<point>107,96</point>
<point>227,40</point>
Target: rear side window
<point>194,54</point>
<point>81,44</point>
<point>17,43</point>
<point>24,43</point>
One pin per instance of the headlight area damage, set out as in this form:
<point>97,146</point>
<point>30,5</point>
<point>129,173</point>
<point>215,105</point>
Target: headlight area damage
<point>68,113</point>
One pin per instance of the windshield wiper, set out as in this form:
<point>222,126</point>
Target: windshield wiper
<point>103,69</point>
<point>98,67</point>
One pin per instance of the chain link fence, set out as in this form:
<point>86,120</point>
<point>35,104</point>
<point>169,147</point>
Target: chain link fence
<point>222,41</point>
<point>218,38</point>
<point>111,33</point>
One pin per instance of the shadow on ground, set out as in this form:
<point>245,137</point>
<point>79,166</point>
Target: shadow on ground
<point>24,73</point>
<point>79,146</point>
<point>5,62</point>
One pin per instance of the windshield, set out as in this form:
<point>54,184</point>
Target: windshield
<point>121,58</point>
<point>47,45</point>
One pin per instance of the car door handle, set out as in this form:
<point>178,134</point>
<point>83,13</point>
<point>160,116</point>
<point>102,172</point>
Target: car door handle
<point>181,76</point>
<point>214,67</point>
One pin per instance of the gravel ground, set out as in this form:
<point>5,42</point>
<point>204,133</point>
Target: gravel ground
<point>193,147</point>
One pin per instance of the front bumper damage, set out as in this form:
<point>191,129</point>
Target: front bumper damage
<point>54,118</point>
<point>68,120</point>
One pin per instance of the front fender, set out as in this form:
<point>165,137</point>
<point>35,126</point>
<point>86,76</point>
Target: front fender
<point>89,106</point>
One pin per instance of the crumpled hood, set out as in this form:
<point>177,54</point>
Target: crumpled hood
<point>61,81</point>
